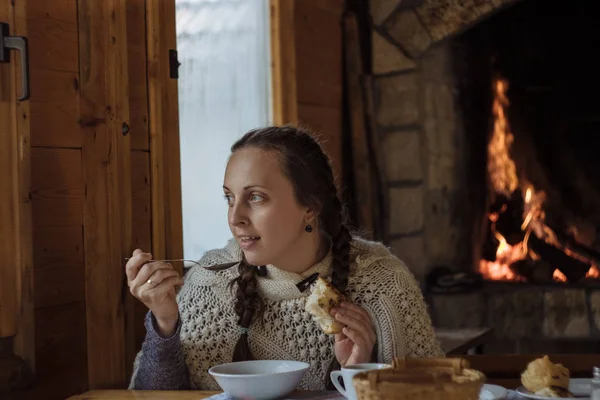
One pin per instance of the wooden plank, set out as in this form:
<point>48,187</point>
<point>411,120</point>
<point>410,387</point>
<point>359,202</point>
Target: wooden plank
<point>173,203</point>
<point>64,11</point>
<point>107,173</point>
<point>53,35</point>
<point>142,238</point>
<point>318,72</point>
<point>55,110</point>
<point>59,270</point>
<point>318,41</point>
<point>9,189</point>
<point>25,338</point>
<point>362,171</point>
<point>141,196</point>
<point>381,216</point>
<point>156,70</point>
<point>327,123</point>
<point>61,353</point>
<point>459,341</point>
<point>283,62</point>
<point>57,189</point>
<point>138,90</point>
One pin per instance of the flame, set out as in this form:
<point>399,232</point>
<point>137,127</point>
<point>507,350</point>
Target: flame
<point>501,168</point>
<point>504,180</point>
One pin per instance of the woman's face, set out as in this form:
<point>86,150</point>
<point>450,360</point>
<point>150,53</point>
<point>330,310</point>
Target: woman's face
<point>264,216</point>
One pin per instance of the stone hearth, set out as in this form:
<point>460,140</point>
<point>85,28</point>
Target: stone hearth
<point>525,318</point>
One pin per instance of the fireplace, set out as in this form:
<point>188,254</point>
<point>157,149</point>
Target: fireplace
<point>520,243</point>
<point>487,113</point>
<point>542,200</point>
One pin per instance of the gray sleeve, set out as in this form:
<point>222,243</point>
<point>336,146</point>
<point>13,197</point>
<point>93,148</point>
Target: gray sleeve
<point>160,364</point>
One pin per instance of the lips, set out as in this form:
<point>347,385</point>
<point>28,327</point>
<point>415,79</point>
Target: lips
<point>248,242</point>
<point>249,238</point>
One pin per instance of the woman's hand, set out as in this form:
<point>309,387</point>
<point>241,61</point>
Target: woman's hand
<point>153,283</point>
<point>355,344</point>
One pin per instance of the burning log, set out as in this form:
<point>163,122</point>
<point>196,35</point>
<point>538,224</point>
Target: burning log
<point>510,217</point>
<point>583,251</point>
<point>572,268</point>
<point>538,271</point>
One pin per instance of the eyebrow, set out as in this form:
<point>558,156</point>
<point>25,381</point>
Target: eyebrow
<point>247,187</point>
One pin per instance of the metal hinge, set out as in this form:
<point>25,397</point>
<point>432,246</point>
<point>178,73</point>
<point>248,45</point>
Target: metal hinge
<point>173,64</point>
<point>18,43</point>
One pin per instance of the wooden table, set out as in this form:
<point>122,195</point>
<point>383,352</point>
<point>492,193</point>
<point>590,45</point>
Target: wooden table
<point>143,395</point>
<point>501,369</point>
<point>460,341</point>
<point>190,395</point>
<point>505,369</point>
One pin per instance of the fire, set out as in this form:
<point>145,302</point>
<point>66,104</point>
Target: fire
<point>502,169</point>
<point>503,176</point>
<point>504,180</point>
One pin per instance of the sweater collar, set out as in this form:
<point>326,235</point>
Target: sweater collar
<point>280,284</point>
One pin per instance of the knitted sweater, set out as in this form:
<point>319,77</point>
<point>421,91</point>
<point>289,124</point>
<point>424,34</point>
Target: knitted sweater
<point>208,331</point>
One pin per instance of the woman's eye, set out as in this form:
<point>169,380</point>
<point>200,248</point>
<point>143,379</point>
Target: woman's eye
<point>228,199</point>
<point>255,197</point>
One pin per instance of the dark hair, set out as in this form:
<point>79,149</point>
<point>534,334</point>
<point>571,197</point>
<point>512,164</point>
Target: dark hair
<point>306,165</point>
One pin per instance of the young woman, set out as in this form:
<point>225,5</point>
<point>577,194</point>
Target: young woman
<point>287,224</point>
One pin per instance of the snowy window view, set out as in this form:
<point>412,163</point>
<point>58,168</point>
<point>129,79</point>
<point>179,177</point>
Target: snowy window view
<point>224,91</point>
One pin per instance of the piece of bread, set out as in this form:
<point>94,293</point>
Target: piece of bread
<point>543,373</point>
<point>554,391</point>
<point>324,296</point>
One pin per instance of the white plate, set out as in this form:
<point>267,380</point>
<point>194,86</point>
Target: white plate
<point>492,392</point>
<point>581,388</point>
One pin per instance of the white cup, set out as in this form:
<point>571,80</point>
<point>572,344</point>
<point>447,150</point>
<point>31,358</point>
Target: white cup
<point>347,373</point>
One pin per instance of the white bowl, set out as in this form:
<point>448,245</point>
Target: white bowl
<point>259,379</point>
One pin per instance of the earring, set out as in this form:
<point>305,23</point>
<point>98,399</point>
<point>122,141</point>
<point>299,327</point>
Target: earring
<point>308,228</point>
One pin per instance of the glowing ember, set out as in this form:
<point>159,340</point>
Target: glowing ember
<point>593,272</point>
<point>559,276</point>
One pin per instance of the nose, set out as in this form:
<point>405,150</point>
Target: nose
<point>238,215</point>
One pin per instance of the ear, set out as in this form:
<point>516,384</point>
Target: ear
<point>310,216</point>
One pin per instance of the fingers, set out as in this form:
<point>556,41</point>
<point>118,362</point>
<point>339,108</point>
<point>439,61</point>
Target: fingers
<point>146,271</point>
<point>160,275</point>
<point>357,337</point>
<point>165,288</point>
<point>357,321</point>
<point>138,259</point>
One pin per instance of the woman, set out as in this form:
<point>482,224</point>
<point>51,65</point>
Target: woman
<point>286,218</point>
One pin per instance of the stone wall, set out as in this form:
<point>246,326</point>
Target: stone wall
<point>525,318</point>
<point>419,125</point>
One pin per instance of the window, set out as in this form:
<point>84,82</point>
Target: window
<point>224,90</point>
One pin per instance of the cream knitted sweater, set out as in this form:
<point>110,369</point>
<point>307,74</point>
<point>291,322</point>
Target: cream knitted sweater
<point>379,282</point>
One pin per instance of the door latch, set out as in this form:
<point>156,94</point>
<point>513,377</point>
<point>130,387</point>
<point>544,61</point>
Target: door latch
<point>19,43</point>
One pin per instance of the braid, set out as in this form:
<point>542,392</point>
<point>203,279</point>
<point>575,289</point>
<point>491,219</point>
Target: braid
<point>248,304</point>
<point>340,246</point>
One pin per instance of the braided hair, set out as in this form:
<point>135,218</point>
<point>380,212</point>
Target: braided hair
<point>308,168</point>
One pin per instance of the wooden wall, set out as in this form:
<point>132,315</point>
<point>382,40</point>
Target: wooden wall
<point>57,194</point>
<point>105,167</point>
<point>87,326</point>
